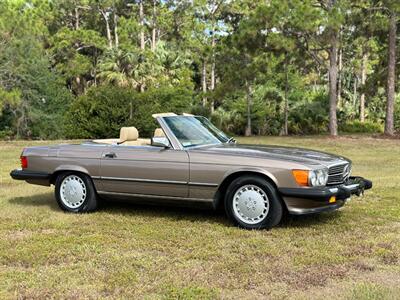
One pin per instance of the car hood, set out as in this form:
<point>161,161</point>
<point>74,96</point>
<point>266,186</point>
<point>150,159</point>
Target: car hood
<point>293,154</point>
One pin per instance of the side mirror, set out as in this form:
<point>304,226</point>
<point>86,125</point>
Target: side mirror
<point>160,141</point>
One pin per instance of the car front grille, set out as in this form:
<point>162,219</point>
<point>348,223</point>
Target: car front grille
<point>337,174</point>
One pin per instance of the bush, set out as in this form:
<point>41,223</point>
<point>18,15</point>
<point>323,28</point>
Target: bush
<point>159,100</point>
<point>6,134</point>
<point>361,127</point>
<point>227,121</point>
<point>309,115</point>
<point>103,110</point>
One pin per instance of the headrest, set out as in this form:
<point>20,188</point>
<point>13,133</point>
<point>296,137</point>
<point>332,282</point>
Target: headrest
<point>159,132</point>
<point>128,134</point>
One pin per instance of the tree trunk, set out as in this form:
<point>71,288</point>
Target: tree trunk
<point>116,29</point>
<point>339,93</point>
<point>333,72</point>
<point>204,82</point>
<point>363,80</point>
<point>154,29</point>
<point>76,18</point>
<point>141,36</point>
<point>212,85</point>
<point>389,124</point>
<point>248,130</point>
<point>212,82</point>
<point>108,30</point>
<point>286,110</point>
<point>355,93</point>
<point>141,22</point>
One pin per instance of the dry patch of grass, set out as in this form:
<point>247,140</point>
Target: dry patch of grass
<point>130,250</point>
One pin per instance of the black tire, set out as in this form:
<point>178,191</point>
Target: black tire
<point>90,202</point>
<point>272,216</point>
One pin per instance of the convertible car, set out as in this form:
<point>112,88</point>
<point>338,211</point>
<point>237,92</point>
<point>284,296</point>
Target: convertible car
<point>189,159</point>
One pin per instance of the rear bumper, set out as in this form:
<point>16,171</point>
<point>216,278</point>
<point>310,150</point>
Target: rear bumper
<point>315,200</point>
<point>33,177</point>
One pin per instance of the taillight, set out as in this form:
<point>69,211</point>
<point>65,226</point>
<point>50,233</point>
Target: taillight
<point>24,162</point>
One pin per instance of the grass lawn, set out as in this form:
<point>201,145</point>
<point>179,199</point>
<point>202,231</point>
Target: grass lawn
<point>133,251</point>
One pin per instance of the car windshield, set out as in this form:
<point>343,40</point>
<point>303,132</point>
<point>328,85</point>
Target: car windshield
<point>194,131</point>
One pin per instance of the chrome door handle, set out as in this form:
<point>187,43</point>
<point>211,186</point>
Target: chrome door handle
<point>110,155</point>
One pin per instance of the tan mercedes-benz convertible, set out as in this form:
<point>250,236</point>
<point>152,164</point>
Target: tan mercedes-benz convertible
<point>189,159</point>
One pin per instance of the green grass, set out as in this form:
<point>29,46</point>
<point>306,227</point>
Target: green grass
<point>133,251</point>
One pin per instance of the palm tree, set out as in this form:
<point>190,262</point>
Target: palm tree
<point>117,68</point>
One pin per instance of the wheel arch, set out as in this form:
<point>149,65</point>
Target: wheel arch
<point>222,188</point>
<point>68,168</point>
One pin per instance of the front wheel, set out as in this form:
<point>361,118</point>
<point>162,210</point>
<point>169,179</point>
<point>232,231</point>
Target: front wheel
<point>75,193</point>
<point>253,203</point>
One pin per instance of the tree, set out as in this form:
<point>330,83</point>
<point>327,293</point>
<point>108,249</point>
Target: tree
<point>273,67</point>
<point>391,77</point>
<point>33,93</point>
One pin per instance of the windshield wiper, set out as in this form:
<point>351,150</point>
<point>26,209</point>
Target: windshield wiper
<point>231,140</point>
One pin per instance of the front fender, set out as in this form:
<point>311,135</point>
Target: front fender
<point>255,170</point>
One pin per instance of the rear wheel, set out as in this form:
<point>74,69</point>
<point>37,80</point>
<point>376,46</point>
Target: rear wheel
<point>253,203</point>
<point>75,192</point>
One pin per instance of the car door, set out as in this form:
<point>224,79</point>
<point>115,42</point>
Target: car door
<point>145,170</point>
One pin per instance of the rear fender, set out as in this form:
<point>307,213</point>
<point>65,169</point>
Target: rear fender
<point>71,168</point>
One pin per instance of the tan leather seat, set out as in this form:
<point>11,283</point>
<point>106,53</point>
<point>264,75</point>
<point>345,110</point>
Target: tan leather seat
<point>129,136</point>
<point>159,133</point>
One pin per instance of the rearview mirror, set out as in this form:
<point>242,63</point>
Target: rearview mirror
<point>160,141</point>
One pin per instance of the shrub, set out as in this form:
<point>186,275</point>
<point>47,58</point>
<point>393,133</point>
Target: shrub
<point>357,126</point>
<point>225,120</point>
<point>99,113</point>
<point>6,134</point>
<point>103,110</point>
<point>159,100</point>
<point>309,115</point>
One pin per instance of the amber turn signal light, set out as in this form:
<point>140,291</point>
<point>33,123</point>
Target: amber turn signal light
<point>24,162</point>
<point>301,177</point>
<point>332,199</point>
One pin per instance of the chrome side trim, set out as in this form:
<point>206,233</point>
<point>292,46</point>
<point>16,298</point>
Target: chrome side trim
<point>144,180</point>
<point>205,184</point>
<point>154,196</point>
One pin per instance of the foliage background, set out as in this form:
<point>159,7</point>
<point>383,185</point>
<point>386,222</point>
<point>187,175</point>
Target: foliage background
<point>84,68</point>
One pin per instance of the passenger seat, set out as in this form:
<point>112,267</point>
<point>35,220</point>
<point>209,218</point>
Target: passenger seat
<point>159,132</point>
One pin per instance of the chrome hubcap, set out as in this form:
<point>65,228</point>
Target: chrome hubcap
<point>73,191</point>
<point>250,204</point>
